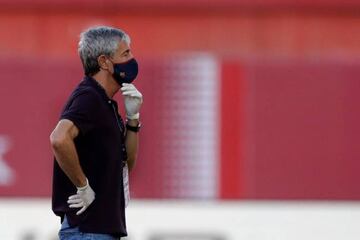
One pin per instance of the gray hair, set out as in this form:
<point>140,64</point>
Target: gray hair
<point>98,41</point>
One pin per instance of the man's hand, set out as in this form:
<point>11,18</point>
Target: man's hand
<point>82,199</point>
<point>133,100</point>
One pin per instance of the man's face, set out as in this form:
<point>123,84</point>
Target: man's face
<point>122,65</point>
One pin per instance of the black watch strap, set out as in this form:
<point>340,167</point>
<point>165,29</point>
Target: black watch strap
<point>132,128</point>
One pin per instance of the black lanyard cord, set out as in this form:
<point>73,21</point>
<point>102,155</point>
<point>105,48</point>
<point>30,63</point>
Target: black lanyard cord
<point>117,118</point>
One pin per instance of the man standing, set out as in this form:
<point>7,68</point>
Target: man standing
<point>93,148</point>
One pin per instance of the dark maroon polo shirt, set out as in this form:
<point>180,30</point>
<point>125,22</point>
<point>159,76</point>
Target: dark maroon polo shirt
<point>101,149</point>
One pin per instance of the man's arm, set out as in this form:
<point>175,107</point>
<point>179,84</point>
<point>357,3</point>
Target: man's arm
<point>133,100</point>
<point>62,143</point>
<point>132,144</point>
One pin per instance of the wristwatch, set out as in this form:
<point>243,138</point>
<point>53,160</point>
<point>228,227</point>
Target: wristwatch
<point>132,128</point>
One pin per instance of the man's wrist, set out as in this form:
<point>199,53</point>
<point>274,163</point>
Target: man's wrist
<point>133,117</point>
<point>133,125</point>
<point>133,122</point>
<point>83,186</point>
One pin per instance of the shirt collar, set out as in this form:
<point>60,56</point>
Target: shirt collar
<point>92,82</point>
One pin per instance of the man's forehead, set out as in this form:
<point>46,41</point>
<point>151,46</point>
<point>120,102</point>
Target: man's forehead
<point>122,47</point>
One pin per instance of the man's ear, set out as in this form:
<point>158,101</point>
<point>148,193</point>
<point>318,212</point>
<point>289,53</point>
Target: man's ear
<point>103,62</point>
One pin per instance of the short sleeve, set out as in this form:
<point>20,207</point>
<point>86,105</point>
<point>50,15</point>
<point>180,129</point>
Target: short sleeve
<point>82,111</point>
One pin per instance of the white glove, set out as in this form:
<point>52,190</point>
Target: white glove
<point>133,100</point>
<point>82,199</point>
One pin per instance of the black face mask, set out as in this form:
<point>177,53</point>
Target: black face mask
<point>125,72</point>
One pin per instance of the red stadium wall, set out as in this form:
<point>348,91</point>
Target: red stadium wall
<point>287,91</point>
<point>295,133</point>
<point>257,34</point>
